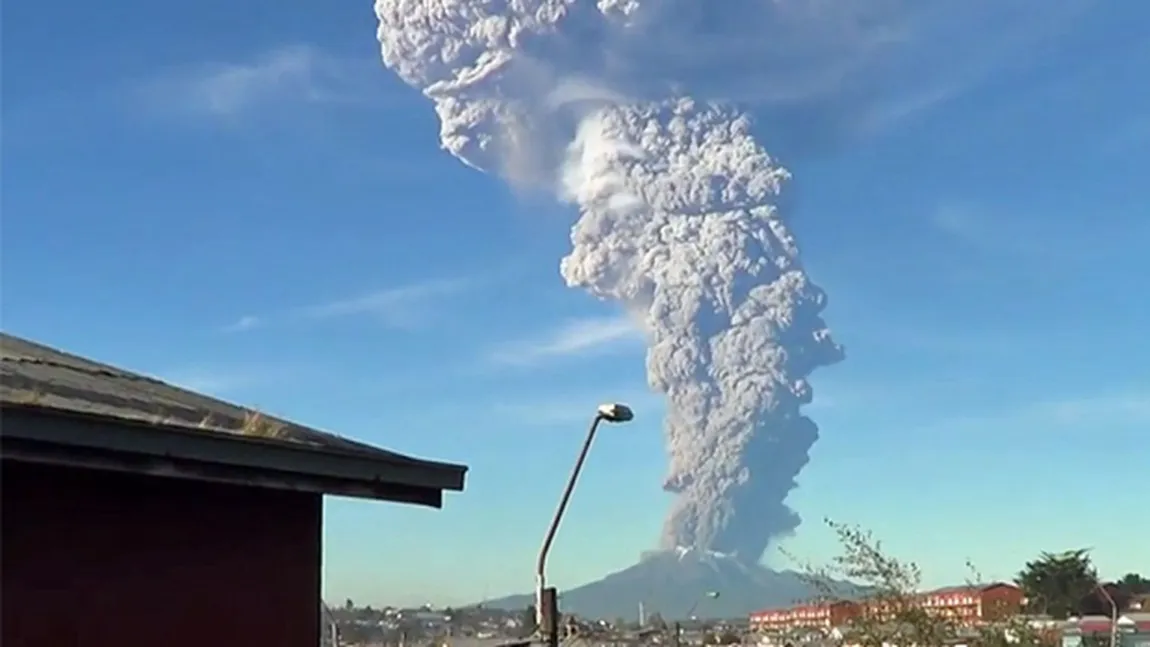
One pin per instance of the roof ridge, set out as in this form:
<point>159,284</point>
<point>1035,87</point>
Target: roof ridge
<point>35,372</point>
<point>98,370</point>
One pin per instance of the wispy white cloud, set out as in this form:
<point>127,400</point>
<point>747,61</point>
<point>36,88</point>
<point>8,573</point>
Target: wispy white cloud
<point>399,306</point>
<point>1124,406</point>
<point>1040,240</point>
<point>884,115</point>
<point>575,337</point>
<point>298,74</point>
<point>953,407</point>
<point>969,226</point>
<point>1117,416</point>
<point>217,381</point>
<point>992,232</point>
<point>243,324</point>
<point>833,70</point>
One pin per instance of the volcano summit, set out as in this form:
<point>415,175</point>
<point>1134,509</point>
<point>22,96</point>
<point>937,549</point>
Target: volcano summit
<point>675,582</point>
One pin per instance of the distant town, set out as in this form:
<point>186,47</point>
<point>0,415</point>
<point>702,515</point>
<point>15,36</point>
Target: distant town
<point>1111,614</point>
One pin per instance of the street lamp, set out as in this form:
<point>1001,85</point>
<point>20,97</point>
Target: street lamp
<point>709,595</point>
<point>606,412</point>
<point>1113,613</point>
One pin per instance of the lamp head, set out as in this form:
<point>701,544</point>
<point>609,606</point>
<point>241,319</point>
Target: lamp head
<point>615,412</point>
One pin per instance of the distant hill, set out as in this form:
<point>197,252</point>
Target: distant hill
<point>671,582</point>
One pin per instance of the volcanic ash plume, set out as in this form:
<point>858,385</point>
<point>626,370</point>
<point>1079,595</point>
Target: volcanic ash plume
<point>677,223</point>
<point>676,217</point>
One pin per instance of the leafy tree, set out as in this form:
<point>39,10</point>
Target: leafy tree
<point>1103,600</point>
<point>1134,584</point>
<point>886,591</point>
<point>1058,583</point>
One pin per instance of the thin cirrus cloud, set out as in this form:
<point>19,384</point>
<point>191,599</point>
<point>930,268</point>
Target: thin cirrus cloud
<point>1119,414</point>
<point>402,306</point>
<point>997,234</point>
<point>244,323</point>
<point>1129,405</point>
<point>958,410</point>
<point>296,74</point>
<point>386,302</point>
<point>572,338</point>
<point>825,73</point>
<point>1044,243</point>
<point>219,382</point>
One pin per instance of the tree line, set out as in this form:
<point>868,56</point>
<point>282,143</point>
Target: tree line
<point>1066,584</point>
<point>1058,585</point>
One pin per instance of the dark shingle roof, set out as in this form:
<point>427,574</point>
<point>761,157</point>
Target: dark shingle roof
<point>34,377</point>
<point>34,374</point>
<point>966,588</point>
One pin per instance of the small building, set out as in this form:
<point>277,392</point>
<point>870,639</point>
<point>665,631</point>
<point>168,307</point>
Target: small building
<point>967,605</point>
<point>972,604</point>
<point>963,605</point>
<point>1131,630</point>
<point>138,513</point>
<point>816,615</point>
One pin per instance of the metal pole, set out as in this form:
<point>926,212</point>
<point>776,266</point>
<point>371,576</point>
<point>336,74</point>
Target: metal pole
<point>550,626</point>
<point>541,564</point>
<point>691,612</point>
<point>1113,615</point>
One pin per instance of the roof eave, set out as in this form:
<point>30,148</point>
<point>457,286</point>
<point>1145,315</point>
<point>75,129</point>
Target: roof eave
<point>139,444</point>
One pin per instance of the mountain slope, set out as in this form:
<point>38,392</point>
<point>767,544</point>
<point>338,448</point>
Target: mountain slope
<point>671,583</point>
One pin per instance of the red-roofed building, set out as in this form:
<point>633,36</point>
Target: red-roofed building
<point>977,603</point>
<point>969,604</point>
<point>807,616</point>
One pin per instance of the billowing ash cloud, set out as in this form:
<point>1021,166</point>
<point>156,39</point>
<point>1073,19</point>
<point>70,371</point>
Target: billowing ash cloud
<point>677,220</point>
<point>625,108</point>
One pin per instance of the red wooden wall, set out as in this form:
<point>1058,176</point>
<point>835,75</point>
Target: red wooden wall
<point>103,559</point>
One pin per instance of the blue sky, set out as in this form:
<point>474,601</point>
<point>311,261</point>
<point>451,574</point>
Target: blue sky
<point>242,200</point>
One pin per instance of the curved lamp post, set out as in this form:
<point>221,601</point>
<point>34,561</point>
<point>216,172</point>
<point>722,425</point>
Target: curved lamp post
<point>1113,612</point>
<point>543,596</point>
<point>710,595</point>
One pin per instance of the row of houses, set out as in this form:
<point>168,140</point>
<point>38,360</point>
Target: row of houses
<point>1131,629</point>
<point>965,604</point>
